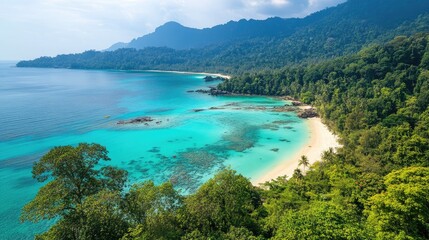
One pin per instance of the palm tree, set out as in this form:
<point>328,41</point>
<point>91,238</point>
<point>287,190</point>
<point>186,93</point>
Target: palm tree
<point>304,162</point>
<point>328,156</point>
<point>297,174</point>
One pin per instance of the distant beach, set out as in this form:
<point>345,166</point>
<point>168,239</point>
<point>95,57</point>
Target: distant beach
<point>320,140</point>
<point>184,72</point>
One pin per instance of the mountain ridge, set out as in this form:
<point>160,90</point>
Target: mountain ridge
<point>326,34</point>
<point>177,36</point>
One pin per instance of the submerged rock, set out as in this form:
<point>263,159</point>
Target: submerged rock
<point>231,104</point>
<point>216,108</point>
<point>213,91</point>
<point>241,138</point>
<point>285,108</point>
<point>136,120</point>
<point>154,150</point>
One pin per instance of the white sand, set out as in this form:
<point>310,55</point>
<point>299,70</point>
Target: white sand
<point>320,140</point>
<point>199,73</point>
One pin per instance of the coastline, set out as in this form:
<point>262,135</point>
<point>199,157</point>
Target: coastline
<point>320,140</point>
<point>199,73</point>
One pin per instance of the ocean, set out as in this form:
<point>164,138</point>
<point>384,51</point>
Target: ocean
<point>190,137</point>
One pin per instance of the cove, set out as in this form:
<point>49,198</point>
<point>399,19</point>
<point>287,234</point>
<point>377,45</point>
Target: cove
<point>191,137</point>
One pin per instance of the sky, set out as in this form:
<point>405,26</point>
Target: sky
<point>34,28</point>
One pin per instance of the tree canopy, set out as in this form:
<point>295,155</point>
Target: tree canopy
<point>374,187</point>
<point>73,181</point>
<point>401,211</point>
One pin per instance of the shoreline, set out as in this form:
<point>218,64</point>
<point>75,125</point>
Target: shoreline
<point>319,141</point>
<point>199,73</point>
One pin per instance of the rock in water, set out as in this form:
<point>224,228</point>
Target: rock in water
<point>212,79</point>
<point>136,120</point>
<point>308,113</point>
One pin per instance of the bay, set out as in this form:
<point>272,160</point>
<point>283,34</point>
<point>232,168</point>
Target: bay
<point>192,136</point>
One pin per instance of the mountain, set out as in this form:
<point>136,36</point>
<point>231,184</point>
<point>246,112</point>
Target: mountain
<point>254,45</point>
<point>176,36</point>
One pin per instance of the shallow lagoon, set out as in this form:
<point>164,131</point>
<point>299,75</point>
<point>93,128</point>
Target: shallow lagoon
<point>196,134</point>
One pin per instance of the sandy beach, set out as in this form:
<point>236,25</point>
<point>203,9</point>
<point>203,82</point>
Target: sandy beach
<point>202,73</point>
<point>320,140</point>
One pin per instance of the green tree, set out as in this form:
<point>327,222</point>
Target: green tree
<point>320,220</point>
<point>153,211</point>
<point>281,198</point>
<point>235,233</point>
<point>73,177</point>
<point>297,175</point>
<point>227,200</point>
<point>103,218</point>
<point>304,162</point>
<point>402,210</point>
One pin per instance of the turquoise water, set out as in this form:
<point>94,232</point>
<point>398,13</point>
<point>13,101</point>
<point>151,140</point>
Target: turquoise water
<point>192,136</point>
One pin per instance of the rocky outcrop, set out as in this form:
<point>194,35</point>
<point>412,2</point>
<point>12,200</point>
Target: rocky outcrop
<point>285,108</point>
<point>136,120</point>
<point>213,91</point>
<point>212,79</point>
<point>308,113</point>
<point>297,103</point>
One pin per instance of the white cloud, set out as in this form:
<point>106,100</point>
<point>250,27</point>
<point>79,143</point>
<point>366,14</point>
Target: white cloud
<point>31,28</point>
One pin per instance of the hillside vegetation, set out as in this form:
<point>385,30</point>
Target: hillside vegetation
<point>363,64</point>
<point>375,187</point>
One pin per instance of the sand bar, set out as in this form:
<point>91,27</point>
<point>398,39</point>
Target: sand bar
<point>320,140</point>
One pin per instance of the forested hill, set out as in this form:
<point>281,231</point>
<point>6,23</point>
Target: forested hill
<point>378,102</point>
<point>375,187</point>
<point>329,33</point>
<point>176,36</point>
<point>377,99</point>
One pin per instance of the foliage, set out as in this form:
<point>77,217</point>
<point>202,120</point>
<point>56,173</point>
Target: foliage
<point>378,94</point>
<point>153,211</point>
<point>374,187</point>
<point>304,161</point>
<point>226,207</point>
<point>74,181</point>
<point>73,178</point>
<point>402,210</point>
<point>320,220</point>
<point>227,200</point>
<point>377,102</point>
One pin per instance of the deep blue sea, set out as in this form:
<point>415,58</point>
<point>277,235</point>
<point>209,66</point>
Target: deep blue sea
<point>192,136</point>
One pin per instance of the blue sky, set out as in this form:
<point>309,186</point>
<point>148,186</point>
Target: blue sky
<point>33,28</point>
